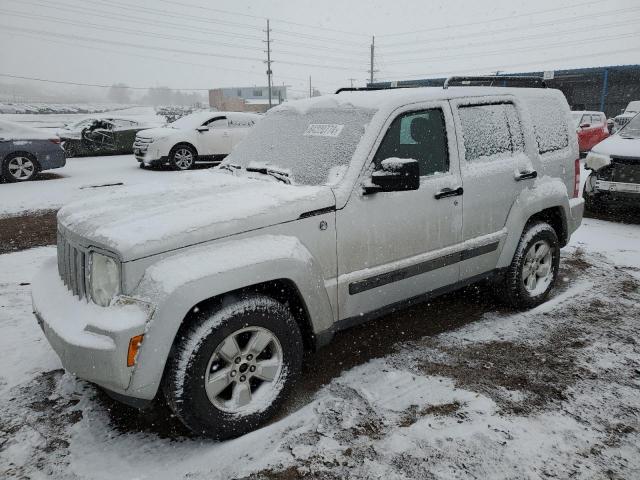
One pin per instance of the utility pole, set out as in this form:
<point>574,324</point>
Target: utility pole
<point>269,72</point>
<point>310,92</point>
<point>351,80</point>
<point>373,47</point>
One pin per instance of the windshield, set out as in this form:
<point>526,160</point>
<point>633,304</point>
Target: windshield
<point>631,129</point>
<point>633,107</point>
<point>312,147</point>
<point>190,122</point>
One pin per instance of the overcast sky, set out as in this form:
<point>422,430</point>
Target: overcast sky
<point>165,43</point>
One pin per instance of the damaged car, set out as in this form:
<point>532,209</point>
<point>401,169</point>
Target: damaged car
<point>615,170</point>
<point>100,136</point>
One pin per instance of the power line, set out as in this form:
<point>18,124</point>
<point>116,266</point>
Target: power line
<point>525,37</point>
<point>133,45</point>
<point>513,50</point>
<point>519,28</point>
<point>306,25</point>
<point>130,31</point>
<point>499,19</point>
<point>98,85</point>
<point>494,68</point>
<point>137,20</point>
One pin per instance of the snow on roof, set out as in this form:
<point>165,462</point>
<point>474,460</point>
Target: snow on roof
<point>392,98</point>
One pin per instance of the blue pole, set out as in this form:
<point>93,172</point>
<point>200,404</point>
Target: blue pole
<point>605,86</point>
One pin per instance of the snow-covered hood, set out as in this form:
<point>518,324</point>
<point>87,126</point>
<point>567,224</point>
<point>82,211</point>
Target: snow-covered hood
<point>618,146</point>
<point>158,132</point>
<point>139,222</point>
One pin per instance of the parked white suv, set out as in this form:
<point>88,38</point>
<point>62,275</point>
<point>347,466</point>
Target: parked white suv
<point>334,210</point>
<point>201,136</point>
<point>631,111</point>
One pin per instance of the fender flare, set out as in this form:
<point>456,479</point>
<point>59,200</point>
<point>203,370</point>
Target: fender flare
<point>177,284</point>
<point>547,193</point>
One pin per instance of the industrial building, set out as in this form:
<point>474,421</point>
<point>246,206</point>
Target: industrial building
<point>607,89</point>
<point>246,99</point>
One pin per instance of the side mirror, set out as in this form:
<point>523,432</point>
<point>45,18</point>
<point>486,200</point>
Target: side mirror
<point>397,174</point>
<point>585,125</point>
<point>202,129</point>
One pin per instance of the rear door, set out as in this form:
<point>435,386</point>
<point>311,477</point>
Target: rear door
<point>495,169</point>
<point>239,127</point>
<point>217,139</point>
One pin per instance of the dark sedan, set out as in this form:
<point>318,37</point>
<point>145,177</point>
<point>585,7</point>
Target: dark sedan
<point>25,151</point>
<point>100,136</point>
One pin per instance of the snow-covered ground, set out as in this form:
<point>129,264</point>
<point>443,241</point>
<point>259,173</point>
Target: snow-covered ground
<point>549,393</point>
<point>81,178</point>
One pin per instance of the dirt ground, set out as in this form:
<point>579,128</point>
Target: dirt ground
<point>549,393</point>
<point>34,229</point>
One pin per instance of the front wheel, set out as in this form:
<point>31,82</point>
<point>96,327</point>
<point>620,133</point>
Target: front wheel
<point>233,367</point>
<point>182,157</point>
<point>534,268</point>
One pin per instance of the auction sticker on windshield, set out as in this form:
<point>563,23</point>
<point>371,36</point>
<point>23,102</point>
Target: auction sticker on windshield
<point>323,130</point>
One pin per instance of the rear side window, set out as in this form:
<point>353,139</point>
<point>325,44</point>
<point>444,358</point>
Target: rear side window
<point>596,119</point>
<point>421,136</point>
<point>491,131</point>
<point>549,123</point>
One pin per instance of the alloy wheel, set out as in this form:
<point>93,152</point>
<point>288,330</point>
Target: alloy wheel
<point>537,269</point>
<point>21,168</point>
<point>244,372</point>
<point>183,158</point>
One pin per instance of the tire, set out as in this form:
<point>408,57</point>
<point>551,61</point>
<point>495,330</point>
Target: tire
<point>206,347</point>
<point>19,167</point>
<point>182,157</point>
<point>592,204</point>
<point>525,284</point>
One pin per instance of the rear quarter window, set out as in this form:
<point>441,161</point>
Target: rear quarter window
<point>549,123</point>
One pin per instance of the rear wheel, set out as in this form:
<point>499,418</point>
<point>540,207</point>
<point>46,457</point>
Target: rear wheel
<point>182,157</point>
<point>19,167</point>
<point>534,268</point>
<point>234,367</point>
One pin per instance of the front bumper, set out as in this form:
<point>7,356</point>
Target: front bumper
<point>91,341</point>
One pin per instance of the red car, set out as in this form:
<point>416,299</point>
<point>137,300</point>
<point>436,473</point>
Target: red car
<point>591,128</point>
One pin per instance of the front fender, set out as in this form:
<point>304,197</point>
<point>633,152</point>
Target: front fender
<point>178,283</point>
<point>547,193</point>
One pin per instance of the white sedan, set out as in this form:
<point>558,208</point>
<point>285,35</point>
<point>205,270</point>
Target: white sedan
<point>201,136</point>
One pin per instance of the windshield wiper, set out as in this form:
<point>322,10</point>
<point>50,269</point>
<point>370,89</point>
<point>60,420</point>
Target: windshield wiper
<point>277,174</point>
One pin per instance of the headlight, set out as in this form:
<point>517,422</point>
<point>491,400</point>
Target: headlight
<point>104,279</point>
<point>595,161</point>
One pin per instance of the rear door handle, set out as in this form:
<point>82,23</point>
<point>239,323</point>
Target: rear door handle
<point>449,192</point>
<point>526,175</point>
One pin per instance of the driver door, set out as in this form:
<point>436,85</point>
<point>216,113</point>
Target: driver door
<point>393,246</point>
<point>216,140</point>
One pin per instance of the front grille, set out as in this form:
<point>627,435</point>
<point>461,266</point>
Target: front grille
<point>142,143</point>
<point>625,170</point>
<point>72,264</point>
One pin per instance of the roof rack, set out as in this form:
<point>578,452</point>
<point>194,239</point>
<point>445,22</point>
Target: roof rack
<point>530,81</point>
<point>361,89</point>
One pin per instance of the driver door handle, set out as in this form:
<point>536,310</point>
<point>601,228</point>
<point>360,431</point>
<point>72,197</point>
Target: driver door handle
<point>449,192</point>
<point>526,175</point>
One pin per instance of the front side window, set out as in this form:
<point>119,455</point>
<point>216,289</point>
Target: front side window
<point>421,136</point>
<point>216,122</point>
<point>491,131</point>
